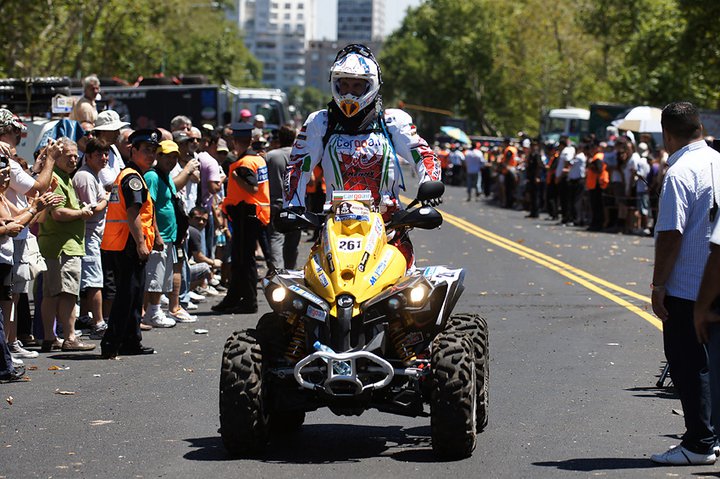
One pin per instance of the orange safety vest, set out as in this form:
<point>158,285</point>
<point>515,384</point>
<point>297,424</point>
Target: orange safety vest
<point>593,178</point>
<point>512,161</point>
<point>318,178</point>
<point>235,193</point>
<point>117,228</point>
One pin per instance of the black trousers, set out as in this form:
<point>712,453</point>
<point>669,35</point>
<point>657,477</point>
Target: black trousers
<point>532,189</point>
<point>597,218</point>
<point>124,322</point>
<point>689,370</point>
<point>246,231</point>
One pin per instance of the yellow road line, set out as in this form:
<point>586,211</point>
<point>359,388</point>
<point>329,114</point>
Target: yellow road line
<point>575,274</point>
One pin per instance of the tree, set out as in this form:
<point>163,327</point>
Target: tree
<point>124,39</point>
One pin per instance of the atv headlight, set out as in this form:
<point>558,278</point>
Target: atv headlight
<point>418,294</point>
<point>278,294</point>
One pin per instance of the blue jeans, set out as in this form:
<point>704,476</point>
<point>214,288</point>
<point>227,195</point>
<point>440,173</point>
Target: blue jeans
<point>689,371</point>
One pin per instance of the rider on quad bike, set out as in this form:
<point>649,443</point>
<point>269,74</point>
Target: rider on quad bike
<point>359,327</point>
<point>358,143</point>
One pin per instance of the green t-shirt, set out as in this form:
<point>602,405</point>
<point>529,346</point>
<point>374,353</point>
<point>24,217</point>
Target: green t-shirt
<point>63,236</point>
<point>162,198</point>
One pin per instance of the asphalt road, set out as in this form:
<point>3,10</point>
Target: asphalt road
<point>571,392</point>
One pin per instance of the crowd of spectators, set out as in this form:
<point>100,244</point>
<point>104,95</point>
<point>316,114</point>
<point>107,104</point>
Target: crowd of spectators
<point>54,224</point>
<point>610,185</point>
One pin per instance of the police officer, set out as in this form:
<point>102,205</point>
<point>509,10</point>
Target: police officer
<point>130,234</point>
<point>247,203</point>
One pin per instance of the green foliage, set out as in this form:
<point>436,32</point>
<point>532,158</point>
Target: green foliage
<point>500,66</point>
<point>307,100</point>
<point>124,38</point>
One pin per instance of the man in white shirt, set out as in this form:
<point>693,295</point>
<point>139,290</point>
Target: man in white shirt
<point>107,128</point>
<point>681,251</point>
<point>474,161</point>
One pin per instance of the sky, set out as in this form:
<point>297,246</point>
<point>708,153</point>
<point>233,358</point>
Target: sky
<point>326,16</point>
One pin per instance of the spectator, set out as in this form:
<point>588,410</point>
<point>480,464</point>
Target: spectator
<point>107,128</point>
<point>596,180</point>
<point>509,164</point>
<point>533,168</point>
<point>456,159</point>
<point>681,251</point>
<point>202,266</point>
<point>259,122</point>
<point>123,144</point>
<point>23,186</point>
<point>91,192</point>
<point>211,178</point>
<point>283,247</point>
<point>180,123</point>
<point>576,186</point>
<point>707,314</point>
<point>61,243</point>
<point>642,202</point>
<point>130,235</point>
<point>187,145</point>
<point>245,116</point>
<point>85,109</point>
<point>474,161</point>
<point>159,268</point>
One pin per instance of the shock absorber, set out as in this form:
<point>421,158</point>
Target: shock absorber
<point>397,336</point>
<point>296,347</point>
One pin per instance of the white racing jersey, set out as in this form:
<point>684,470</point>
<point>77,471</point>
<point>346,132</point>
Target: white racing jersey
<point>366,160</point>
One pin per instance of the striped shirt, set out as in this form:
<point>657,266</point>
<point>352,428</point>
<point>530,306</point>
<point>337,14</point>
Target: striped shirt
<point>685,204</point>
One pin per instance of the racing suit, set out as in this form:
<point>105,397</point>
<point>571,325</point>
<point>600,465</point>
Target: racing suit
<point>362,160</point>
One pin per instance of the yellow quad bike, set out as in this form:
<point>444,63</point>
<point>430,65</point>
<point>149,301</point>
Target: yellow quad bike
<point>355,330</point>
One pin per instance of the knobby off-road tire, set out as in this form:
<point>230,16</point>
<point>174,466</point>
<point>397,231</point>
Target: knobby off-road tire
<point>476,328</point>
<point>271,332</point>
<point>453,400</point>
<point>244,421</point>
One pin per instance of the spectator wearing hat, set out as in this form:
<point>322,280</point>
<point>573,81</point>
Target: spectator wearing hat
<point>259,122</point>
<point>641,172</point>
<point>107,128</point>
<point>245,116</point>
<point>22,186</point>
<point>85,109</point>
<point>130,234</point>
<point>248,205</point>
<point>160,266</point>
<point>62,244</point>
<point>90,191</point>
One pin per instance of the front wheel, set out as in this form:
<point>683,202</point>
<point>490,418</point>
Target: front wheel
<point>453,402</point>
<point>243,415</point>
<point>476,328</point>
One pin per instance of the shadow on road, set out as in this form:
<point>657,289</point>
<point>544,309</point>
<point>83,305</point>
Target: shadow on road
<point>599,464</point>
<point>654,392</point>
<point>331,443</point>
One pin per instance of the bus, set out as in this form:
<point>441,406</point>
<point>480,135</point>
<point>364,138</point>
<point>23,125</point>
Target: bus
<point>570,122</point>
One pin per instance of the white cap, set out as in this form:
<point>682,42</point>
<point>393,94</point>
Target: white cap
<point>260,118</point>
<point>109,120</point>
<point>526,143</point>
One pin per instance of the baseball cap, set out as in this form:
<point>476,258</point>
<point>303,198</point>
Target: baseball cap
<point>168,146</point>
<point>222,145</point>
<point>9,118</point>
<point>526,143</point>
<point>109,120</point>
<point>149,135</point>
<point>245,113</point>
<point>180,136</point>
<point>260,118</point>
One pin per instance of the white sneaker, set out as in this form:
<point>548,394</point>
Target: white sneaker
<point>679,456</point>
<point>17,351</point>
<point>164,301</point>
<point>191,306</point>
<point>16,362</point>
<point>197,298</point>
<point>158,320</point>
<point>207,290</point>
<point>182,316</point>
<point>214,282</point>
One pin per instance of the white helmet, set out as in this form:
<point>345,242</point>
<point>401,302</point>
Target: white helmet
<point>355,61</point>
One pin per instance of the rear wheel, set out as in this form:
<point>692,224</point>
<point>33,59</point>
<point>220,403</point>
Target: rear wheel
<point>453,403</point>
<point>475,327</point>
<point>244,419</point>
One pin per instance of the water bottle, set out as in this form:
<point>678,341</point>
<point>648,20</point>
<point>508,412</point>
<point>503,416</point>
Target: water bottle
<point>340,368</point>
<point>220,239</point>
